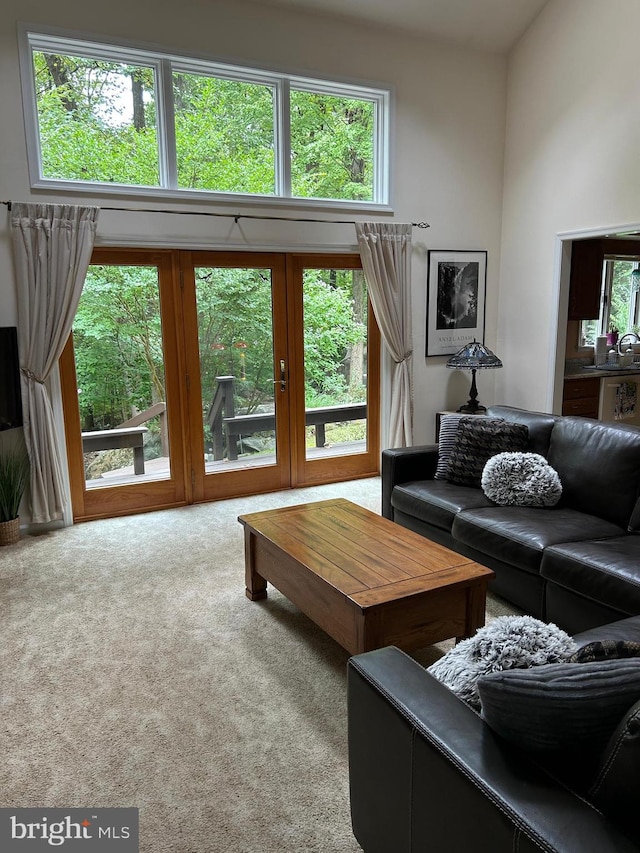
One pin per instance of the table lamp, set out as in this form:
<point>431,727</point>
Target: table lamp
<point>473,356</point>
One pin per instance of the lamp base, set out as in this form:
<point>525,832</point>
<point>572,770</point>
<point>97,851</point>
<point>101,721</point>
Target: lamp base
<point>472,408</point>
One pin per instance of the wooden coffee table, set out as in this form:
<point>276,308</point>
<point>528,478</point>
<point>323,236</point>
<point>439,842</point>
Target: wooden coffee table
<point>363,579</point>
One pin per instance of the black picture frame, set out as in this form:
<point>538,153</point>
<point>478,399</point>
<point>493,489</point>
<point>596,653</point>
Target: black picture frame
<point>456,296</point>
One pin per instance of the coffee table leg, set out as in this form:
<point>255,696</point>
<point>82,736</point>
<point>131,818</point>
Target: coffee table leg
<point>256,585</point>
<point>476,607</point>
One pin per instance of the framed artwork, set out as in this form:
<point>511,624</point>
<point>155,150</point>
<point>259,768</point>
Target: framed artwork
<point>456,290</point>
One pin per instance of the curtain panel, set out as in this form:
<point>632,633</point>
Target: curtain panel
<point>385,251</point>
<point>52,247</point>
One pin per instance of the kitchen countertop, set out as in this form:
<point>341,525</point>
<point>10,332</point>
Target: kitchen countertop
<point>592,372</point>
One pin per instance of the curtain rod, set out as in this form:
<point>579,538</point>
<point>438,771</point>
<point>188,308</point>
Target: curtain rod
<point>234,216</point>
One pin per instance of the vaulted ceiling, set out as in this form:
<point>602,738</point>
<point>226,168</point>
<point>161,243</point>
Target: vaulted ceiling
<point>492,25</point>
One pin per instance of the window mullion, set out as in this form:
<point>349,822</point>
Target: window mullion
<point>167,127</point>
<point>381,152</point>
<point>282,136</point>
<point>606,296</point>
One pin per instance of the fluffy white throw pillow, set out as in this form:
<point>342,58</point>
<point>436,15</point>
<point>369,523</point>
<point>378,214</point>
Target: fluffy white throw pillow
<point>521,479</point>
<point>506,642</point>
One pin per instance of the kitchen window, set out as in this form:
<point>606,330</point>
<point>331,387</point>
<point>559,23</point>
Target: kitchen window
<point>619,301</point>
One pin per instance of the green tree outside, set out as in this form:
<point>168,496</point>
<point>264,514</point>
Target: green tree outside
<point>97,121</point>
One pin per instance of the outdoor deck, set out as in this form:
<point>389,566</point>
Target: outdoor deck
<point>158,469</point>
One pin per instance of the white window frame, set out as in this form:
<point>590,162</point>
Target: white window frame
<point>605,299</point>
<point>164,63</point>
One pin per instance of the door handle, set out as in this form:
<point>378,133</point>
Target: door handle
<point>283,376</point>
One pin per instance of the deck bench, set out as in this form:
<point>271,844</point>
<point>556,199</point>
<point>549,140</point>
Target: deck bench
<point>115,439</point>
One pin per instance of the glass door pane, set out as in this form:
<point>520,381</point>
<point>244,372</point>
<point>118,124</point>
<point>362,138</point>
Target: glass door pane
<point>237,363</point>
<point>235,342</point>
<point>335,370</point>
<point>121,384</point>
<point>335,362</point>
<point>117,335</point>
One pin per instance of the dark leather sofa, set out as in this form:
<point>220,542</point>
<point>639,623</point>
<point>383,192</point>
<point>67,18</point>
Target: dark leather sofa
<point>428,775</point>
<point>576,564</point>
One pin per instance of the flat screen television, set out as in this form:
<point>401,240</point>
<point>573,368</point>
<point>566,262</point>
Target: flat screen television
<point>10,396</point>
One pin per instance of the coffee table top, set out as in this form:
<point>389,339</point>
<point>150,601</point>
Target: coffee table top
<point>369,558</point>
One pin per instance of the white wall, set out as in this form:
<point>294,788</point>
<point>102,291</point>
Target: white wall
<point>571,165</point>
<point>447,159</point>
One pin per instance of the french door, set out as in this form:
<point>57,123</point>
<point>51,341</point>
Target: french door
<point>194,376</point>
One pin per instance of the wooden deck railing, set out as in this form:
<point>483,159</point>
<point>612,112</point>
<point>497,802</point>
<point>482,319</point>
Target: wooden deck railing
<point>227,427</point>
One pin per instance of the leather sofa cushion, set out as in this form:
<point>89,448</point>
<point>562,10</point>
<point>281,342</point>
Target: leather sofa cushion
<point>436,502</point>
<point>606,570</point>
<point>518,535</point>
<point>623,629</point>
<point>599,466</point>
<point>539,425</point>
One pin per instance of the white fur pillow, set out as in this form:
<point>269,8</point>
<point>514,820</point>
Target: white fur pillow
<point>505,643</point>
<point>521,479</point>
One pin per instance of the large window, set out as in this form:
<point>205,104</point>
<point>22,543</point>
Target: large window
<point>99,114</point>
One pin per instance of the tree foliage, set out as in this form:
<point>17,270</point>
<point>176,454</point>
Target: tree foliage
<point>98,122</point>
<point>118,344</point>
<point>331,146</point>
<point>118,339</point>
<point>224,135</point>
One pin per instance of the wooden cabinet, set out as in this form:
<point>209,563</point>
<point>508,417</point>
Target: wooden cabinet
<point>581,397</point>
<point>586,279</point>
<point>585,283</point>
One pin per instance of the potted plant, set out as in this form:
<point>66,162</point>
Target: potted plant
<point>14,474</point>
<point>612,335</point>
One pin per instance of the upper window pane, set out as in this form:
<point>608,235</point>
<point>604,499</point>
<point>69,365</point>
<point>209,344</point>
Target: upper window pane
<point>100,115</point>
<point>96,120</point>
<point>224,134</point>
<point>332,146</point>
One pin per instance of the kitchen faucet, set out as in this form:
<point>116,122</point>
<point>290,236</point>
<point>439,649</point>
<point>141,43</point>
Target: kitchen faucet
<point>635,340</point>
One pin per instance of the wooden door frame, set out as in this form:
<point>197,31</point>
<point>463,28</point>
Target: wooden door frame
<point>187,482</point>
<point>330,469</point>
<point>234,483</point>
<point>149,494</point>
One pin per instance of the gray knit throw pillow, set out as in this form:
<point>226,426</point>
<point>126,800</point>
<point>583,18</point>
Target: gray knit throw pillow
<point>521,479</point>
<point>477,440</point>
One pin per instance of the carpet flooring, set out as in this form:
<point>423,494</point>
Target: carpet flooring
<point>137,673</point>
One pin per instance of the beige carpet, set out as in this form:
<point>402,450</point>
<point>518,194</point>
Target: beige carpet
<point>137,673</point>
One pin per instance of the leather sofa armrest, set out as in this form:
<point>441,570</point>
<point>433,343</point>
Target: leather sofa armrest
<point>623,629</point>
<point>426,773</point>
<point>402,464</point>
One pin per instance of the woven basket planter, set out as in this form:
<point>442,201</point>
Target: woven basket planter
<point>10,531</point>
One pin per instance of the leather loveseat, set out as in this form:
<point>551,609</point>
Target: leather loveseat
<point>428,774</point>
<point>576,564</point>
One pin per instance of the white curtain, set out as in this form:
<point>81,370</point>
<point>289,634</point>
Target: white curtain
<point>52,247</point>
<point>385,251</point>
